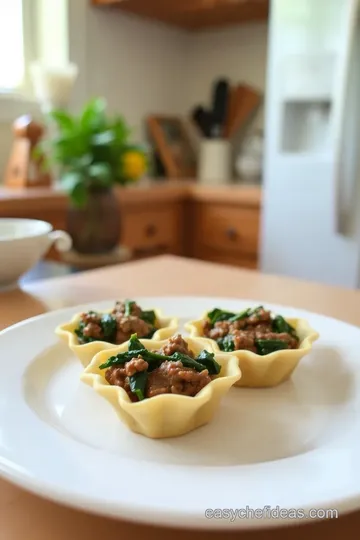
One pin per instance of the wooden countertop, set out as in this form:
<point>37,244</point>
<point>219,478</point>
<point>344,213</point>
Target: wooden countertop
<point>149,191</point>
<point>24,515</point>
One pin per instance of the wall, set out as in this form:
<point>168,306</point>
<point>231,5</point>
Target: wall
<point>137,65</point>
<point>145,67</point>
<point>238,53</point>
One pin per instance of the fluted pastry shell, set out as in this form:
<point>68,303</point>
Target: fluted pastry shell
<point>166,415</point>
<point>85,352</point>
<point>270,370</point>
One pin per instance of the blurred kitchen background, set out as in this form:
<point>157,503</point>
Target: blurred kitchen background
<point>244,120</point>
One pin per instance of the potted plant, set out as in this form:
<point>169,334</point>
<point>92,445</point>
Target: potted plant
<point>94,155</point>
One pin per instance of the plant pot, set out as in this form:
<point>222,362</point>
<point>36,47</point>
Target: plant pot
<point>95,227</point>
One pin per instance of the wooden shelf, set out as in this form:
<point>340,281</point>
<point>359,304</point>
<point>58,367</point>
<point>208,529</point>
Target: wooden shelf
<point>194,15</point>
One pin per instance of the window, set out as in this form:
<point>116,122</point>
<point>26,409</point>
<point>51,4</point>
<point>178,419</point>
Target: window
<point>12,61</point>
<point>30,30</point>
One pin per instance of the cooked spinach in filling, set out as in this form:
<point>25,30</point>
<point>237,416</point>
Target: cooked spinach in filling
<point>254,329</point>
<point>171,370</point>
<point>116,327</point>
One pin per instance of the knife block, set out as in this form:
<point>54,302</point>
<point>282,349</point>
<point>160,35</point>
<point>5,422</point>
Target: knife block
<point>24,169</point>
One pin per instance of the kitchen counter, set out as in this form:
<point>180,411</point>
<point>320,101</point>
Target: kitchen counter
<point>150,190</point>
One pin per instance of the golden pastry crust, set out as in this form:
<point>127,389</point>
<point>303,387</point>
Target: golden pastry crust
<point>166,415</point>
<point>270,370</point>
<point>85,352</point>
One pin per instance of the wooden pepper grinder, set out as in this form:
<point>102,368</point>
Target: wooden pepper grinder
<point>24,169</point>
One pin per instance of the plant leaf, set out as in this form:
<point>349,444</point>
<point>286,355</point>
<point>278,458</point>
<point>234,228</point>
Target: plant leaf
<point>70,179</point>
<point>101,173</point>
<point>103,139</point>
<point>93,117</point>
<point>74,183</point>
<point>63,120</point>
<point>79,195</point>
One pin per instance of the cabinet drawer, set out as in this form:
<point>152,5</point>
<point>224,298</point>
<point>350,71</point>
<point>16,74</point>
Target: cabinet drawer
<point>144,230</point>
<point>228,228</point>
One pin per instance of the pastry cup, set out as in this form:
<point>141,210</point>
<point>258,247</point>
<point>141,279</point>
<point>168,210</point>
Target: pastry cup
<point>167,415</point>
<point>270,370</point>
<point>85,352</point>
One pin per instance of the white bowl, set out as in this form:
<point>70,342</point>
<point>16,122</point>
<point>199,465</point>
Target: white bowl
<point>23,242</point>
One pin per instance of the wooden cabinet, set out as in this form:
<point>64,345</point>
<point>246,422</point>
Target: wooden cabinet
<point>213,224</point>
<point>194,14</point>
<point>226,233</point>
<point>155,230</point>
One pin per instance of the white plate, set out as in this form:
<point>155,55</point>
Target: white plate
<point>296,446</point>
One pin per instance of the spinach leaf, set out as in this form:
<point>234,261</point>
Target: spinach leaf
<point>267,346</point>
<point>218,314</point>
<point>121,358</point>
<point>128,307</point>
<point>134,344</point>
<point>226,343</point>
<point>186,361</point>
<point>155,359</point>
<point>240,316</point>
<point>280,326</point>
<point>255,310</point>
<point>149,317</point>
<point>137,384</point>
<point>207,359</point>
<point>108,325</point>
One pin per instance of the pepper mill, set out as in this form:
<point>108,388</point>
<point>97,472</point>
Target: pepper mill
<point>24,168</point>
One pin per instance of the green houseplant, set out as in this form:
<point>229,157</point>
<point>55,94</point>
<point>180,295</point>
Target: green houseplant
<point>94,154</point>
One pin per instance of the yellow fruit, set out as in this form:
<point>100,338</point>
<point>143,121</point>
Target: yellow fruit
<point>134,165</point>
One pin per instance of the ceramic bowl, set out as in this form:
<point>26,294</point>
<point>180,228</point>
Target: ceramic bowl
<point>23,242</point>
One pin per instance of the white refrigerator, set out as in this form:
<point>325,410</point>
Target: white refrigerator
<point>311,201</point>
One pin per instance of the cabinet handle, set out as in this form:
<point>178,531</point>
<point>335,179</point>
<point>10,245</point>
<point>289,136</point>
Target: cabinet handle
<point>232,234</point>
<point>150,230</point>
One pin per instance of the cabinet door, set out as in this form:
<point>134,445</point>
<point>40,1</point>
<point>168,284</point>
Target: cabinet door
<point>156,230</point>
<point>227,228</point>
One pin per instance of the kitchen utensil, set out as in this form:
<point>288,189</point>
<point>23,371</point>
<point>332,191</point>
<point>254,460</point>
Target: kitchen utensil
<point>247,102</point>
<point>219,107</point>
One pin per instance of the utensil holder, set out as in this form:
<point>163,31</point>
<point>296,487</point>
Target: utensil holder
<point>215,162</point>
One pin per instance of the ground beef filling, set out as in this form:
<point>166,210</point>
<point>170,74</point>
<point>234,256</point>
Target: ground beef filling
<point>124,325</point>
<point>168,378</point>
<point>245,332</point>
<point>120,309</point>
<point>176,344</point>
